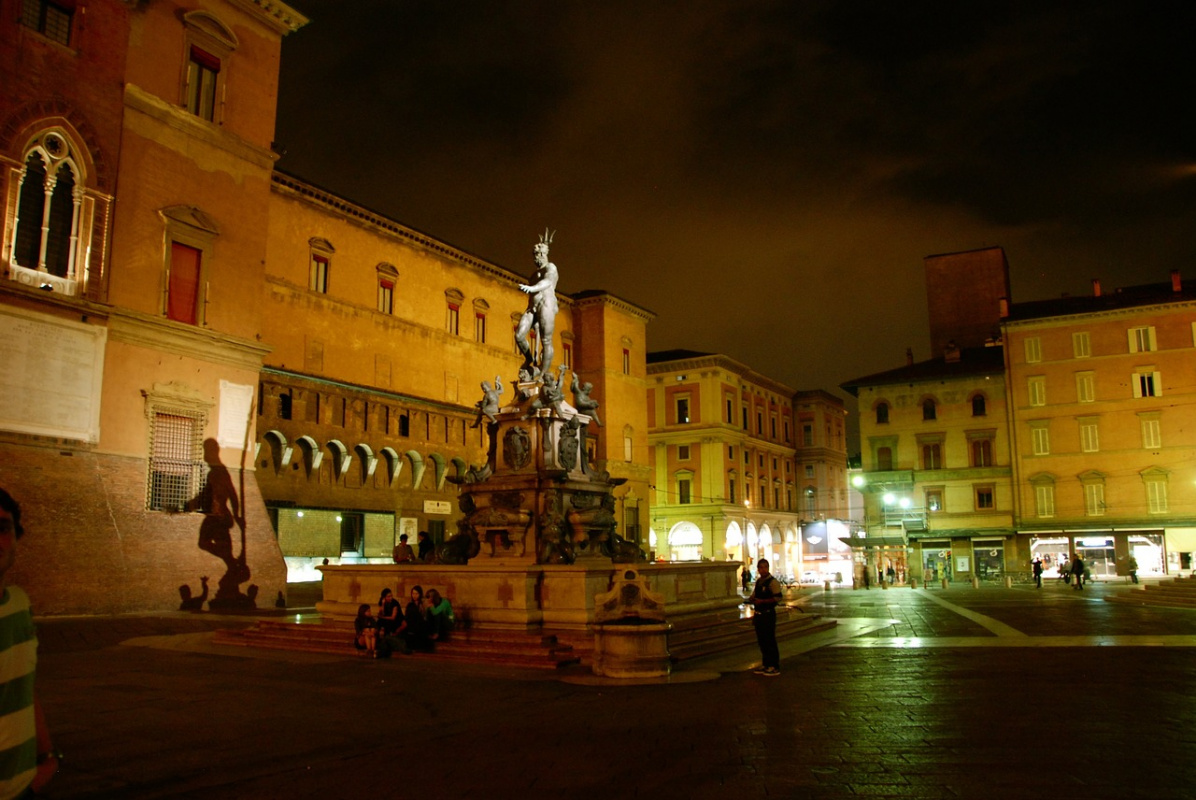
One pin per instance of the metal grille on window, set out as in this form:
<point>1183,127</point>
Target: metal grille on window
<point>177,471</point>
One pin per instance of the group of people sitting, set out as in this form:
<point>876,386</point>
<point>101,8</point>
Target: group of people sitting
<point>424,620</point>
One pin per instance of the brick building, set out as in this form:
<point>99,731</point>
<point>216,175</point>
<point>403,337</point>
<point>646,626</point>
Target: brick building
<point>196,343</point>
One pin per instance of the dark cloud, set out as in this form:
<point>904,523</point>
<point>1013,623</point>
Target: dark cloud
<point>766,176</point>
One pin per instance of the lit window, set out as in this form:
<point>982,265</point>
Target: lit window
<point>1081,345</point>
<point>1033,350</point>
<point>682,409</point>
<point>50,19</point>
<point>934,500</point>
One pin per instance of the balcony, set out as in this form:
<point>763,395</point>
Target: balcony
<point>912,519</point>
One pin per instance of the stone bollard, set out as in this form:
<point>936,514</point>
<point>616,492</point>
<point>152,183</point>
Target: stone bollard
<point>826,586</point>
<point>975,582</point>
<point>884,584</point>
<point>913,583</point>
<point>1008,581</point>
<point>944,583</point>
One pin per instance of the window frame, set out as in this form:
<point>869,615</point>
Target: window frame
<point>41,26</point>
<point>190,227</point>
<point>1081,344</point>
<point>208,44</point>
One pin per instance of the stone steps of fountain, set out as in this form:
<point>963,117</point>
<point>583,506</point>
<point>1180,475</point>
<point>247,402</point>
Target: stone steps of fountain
<point>494,647</point>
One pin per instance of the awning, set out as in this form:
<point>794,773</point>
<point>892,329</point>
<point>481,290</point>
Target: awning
<point>877,540</point>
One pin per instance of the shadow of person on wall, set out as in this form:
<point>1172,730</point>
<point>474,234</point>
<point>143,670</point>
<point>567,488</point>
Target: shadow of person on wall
<point>220,503</point>
<point>190,602</point>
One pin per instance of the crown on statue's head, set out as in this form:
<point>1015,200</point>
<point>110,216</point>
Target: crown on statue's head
<point>546,237</point>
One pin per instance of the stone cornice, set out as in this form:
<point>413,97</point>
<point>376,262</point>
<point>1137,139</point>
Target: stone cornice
<point>717,360</point>
<point>593,297</point>
<point>279,16</point>
<point>1058,320</point>
<point>352,212</point>
<point>290,377</point>
<point>159,333</point>
<point>138,99</point>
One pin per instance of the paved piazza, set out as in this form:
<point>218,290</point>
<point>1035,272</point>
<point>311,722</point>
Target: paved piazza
<point>958,693</point>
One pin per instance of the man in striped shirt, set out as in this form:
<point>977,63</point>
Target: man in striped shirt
<point>27,759</point>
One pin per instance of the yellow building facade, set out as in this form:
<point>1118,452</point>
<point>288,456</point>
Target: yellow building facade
<point>1103,416</point>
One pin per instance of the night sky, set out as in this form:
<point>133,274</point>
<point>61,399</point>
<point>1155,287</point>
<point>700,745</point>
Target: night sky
<point>764,176</point>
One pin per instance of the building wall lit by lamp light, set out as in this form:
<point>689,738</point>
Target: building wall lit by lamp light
<point>858,481</point>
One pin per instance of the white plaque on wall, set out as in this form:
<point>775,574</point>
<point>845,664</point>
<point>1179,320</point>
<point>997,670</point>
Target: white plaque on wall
<point>53,375</point>
<point>438,507</point>
<point>236,404</point>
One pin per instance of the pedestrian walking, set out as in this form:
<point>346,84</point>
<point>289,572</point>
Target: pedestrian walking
<point>764,601</point>
<point>1077,571</point>
<point>1038,572</point>
<point>1132,566</point>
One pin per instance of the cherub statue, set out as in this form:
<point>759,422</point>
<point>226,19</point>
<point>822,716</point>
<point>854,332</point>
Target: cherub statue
<point>582,400</point>
<point>491,398</point>
<point>551,394</point>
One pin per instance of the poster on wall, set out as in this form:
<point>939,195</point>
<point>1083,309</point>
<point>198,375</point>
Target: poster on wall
<point>53,375</point>
<point>409,526</point>
<point>236,404</point>
<point>963,564</point>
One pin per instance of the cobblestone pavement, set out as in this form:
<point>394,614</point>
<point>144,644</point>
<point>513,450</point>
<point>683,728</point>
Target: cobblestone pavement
<point>883,710</point>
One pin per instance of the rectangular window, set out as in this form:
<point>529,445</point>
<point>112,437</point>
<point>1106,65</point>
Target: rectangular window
<point>730,411</point>
<point>386,296</point>
<point>786,431</point>
<point>1094,499</point>
<point>626,361</point>
<point>1044,500</point>
<point>1089,437</point>
<point>1041,439</point>
<point>50,19</point>
<point>1142,340</point>
<point>1033,350</point>
<point>759,423</point>
<point>932,456</point>
<point>984,498</point>
<point>730,453</point>
<point>807,435</point>
<point>745,418</point>
<point>682,410</point>
<point>934,500</point>
<point>1152,438</point>
<point>731,490</point>
<point>1156,497</point>
<point>1081,345</point>
<point>567,355</point>
<point>773,427</point>
<point>452,319</point>
<point>203,69</point>
<point>809,470</point>
<point>763,497</point>
<point>1037,387</point>
<point>182,296</point>
<point>479,335</point>
<point>982,452</point>
<point>683,496</point>
<point>176,465</point>
<point>317,279</point>
<point>1085,387</point>
<point>1147,384</point>
<point>683,452</point>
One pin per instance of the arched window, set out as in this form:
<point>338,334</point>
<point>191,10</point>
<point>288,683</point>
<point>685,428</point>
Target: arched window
<point>53,216</point>
<point>929,411</point>
<point>882,413</point>
<point>978,406</point>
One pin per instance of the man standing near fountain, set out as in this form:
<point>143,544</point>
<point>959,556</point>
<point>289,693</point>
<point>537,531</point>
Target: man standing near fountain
<point>541,310</point>
<point>764,601</point>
